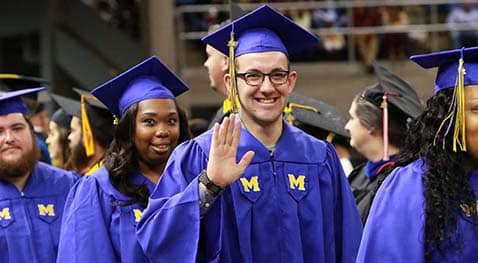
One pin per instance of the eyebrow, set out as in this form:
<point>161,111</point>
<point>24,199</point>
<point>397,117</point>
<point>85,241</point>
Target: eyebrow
<point>154,114</point>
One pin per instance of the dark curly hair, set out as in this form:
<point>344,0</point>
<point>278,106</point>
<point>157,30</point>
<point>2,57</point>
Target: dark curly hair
<point>447,180</point>
<point>121,158</point>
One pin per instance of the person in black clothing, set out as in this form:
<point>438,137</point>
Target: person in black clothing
<point>379,138</point>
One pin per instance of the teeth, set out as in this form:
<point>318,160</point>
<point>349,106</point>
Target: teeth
<point>266,100</point>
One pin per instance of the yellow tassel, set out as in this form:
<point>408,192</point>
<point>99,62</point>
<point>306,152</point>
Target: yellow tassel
<point>330,137</point>
<point>289,113</point>
<point>88,140</point>
<point>459,135</point>
<point>456,113</point>
<point>232,73</point>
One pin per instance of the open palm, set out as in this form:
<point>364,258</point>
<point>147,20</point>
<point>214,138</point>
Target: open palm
<point>222,168</point>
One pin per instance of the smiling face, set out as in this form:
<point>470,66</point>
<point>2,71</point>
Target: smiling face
<point>263,104</point>
<point>55,142</point>
<point>471,121</point>
<point>156,131</point>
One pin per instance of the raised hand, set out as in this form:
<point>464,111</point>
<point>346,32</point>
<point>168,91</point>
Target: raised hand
<point>222,168</point>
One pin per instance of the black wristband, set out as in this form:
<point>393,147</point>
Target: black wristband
<point>210,185</point>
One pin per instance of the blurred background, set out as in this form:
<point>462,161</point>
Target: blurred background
<point>82,43</point>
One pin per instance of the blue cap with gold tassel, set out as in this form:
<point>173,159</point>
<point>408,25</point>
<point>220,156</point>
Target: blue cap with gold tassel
<point>456,69</point>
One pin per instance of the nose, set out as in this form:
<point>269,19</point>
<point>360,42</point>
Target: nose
<point>162,132</point>
<point>9,136</point>
<point>347,125</point>
<point>267,85</point>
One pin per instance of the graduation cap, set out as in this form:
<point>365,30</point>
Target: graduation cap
<point>262,30</point>
<point>61,118</point>
<point>315,117</point>
<point>149,79</point>
<point>11,101</point>
<point>457,68</point>
<point>395,97</point>
<point>96,119</point>
<point>13,82</point>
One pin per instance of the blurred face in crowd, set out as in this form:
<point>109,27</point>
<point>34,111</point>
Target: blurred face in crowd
<point>361,137</point>
<point>78,153</point>
<point>263,103</point>
<point>18,149</point>
<point>471,120</point>
<point>55,140</point>
<point>216,65</point>
<point>156,131</point>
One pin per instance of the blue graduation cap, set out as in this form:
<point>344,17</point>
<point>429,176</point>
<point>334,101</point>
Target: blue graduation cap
<point>457,68</point>
<point>263,29</point>
<point>11,102</point>
<point>447,63</point>
<point>149,79</point>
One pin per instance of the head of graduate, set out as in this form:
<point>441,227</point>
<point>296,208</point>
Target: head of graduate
<point>446,136</point>
<point>150,123</point>
<point>379,115</point>
<point>260,79</point>
<point>19,151</point>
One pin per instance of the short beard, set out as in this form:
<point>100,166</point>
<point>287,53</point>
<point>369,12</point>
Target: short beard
<point>9,171</point>
<point>79,160</point>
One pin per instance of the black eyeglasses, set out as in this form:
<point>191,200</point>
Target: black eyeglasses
<point>255,78</point>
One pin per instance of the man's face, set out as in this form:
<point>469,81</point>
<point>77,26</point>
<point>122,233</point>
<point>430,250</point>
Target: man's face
<point>263,104</point>
<point>74,137</point>
<point>78,153</point>
<point>18,149</point>
<point>216,65</point>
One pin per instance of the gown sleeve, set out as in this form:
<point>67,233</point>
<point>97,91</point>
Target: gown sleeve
<point>348,226</point>
<point>170,226</point>
<point>394,231</point>
<point>84,235</point>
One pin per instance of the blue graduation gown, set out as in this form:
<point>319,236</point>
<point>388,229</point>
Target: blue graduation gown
<point>30,220</point>
<point>293,206</point>
<point>395,228</point>
<point>97,226</point>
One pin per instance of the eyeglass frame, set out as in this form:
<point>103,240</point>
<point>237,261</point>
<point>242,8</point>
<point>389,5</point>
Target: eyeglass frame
<point>243,76</point>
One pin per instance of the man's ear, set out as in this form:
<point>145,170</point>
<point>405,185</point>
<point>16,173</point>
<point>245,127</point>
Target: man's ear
<point>227,82</point>
<point>225,64</point>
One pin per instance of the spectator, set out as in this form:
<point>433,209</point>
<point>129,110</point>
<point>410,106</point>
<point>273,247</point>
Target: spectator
<point>465,14</point>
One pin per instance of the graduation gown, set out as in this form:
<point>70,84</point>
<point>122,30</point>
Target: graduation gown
<point>97,225</point>
<point>294,205</point>
<point>395,228</point>
<point>30,220</point>
<point>364,187</point>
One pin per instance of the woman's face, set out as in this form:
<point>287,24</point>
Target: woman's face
<point>360,136</point>
<point>156,131</point>
<point>55,143</point>
<point>471,120</point>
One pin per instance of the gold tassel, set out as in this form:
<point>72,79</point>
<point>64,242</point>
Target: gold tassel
<point>226,106</point>
<point>289,113</point>
<point>232,96</point>
<point>330,137</point>
<point>88,140</point>
<point>456,113</point>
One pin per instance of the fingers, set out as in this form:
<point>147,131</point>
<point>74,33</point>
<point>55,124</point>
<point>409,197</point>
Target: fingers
<point>230,129</point>
<point>246,160</point>
<point>236,135</point>
<point>215,134</point>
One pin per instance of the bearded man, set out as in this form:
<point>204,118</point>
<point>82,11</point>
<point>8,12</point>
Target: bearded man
<point>32,193</point>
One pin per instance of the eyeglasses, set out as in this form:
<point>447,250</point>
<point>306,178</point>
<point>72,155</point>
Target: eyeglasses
<point>256,78</point>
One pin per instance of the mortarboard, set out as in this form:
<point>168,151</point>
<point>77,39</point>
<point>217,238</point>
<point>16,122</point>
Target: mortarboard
<point>403,101</point>
<point>95,117</point>
<point>13,82</point>
<point>262,30</point>
<point>11,101</point>
<point>395,97</point>
<point>315,117</point>
<point>447,63</point>
<point>61,118</point>
<point>457,68</point>
<point>147,80</point>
